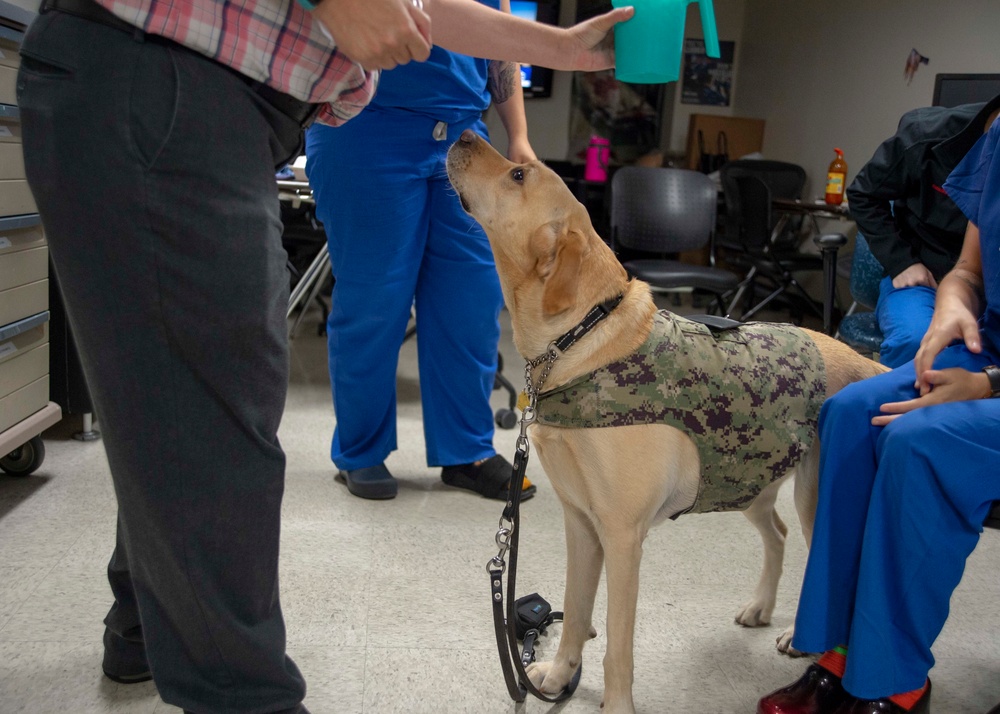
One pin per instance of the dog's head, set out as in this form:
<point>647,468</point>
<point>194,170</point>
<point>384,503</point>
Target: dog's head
<point>541,236</point>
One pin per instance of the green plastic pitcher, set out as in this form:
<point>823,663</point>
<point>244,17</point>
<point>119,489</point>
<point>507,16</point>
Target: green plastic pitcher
<point>648,47</point>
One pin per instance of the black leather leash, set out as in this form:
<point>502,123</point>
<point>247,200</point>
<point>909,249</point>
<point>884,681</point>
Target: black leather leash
<point>512,661</point>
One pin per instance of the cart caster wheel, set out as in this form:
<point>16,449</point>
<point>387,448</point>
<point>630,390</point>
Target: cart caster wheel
<point>505,418</point>
<point>24,459</point>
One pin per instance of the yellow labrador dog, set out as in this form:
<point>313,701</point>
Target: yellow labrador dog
<point>554,269</point>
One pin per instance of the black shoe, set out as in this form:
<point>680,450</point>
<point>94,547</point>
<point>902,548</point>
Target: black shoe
<point>124,660</point>
<point>374,482</point>
<point>490,478</point>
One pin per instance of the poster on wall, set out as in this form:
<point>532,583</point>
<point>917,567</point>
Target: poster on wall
<point>706,80</point>
<point>629,116</point>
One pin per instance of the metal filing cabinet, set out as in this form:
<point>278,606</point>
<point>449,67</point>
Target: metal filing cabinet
<point>25,409</point>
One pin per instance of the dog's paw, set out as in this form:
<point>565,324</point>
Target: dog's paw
<point>754,614</point>
<point>549,677</point>
<point>784,643</point>
<point>622,705</point>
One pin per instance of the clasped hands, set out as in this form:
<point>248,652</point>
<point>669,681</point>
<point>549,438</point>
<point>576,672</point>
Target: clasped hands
<point>937,386</point>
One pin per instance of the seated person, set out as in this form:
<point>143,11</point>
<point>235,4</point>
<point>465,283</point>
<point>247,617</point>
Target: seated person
<point>905,488</point>
<point>914,229</point>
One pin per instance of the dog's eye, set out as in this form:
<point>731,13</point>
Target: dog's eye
<point>518,175</point>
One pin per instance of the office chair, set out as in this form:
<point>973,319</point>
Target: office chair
<point>860,330</point>
<point>662,212</point>
<point>760,242</point>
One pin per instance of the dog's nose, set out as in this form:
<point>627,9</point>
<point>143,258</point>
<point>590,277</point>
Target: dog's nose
<point>468,137</point>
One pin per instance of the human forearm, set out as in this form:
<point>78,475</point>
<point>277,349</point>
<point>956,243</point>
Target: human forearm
<point>962,288</point>
<point>956,309</point>
<point>470,28</point>
<point>504,84</point>
<point>511,113</point>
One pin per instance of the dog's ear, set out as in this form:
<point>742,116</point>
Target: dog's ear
<point>560,258</point>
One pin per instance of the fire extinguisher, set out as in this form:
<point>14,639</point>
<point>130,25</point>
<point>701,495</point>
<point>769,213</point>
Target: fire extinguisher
<point>836,177</point>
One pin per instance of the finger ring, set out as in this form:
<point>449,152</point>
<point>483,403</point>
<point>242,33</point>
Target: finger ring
<point>419,4</point>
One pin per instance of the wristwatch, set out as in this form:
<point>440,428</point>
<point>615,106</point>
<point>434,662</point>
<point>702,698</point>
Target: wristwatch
<point>993,374</point>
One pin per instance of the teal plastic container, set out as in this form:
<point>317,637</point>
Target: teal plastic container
<point>648,47</point>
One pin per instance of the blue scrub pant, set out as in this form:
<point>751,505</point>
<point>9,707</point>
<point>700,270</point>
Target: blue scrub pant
<point>900,509</point>
<point>398,236</point>
<point>903,315</point>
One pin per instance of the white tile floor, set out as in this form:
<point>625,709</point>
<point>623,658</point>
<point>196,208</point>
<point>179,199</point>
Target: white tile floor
<point>387,602</point>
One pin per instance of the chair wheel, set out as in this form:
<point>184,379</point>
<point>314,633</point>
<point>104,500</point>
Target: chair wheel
<point>505,418</point>
<point>24,459</point>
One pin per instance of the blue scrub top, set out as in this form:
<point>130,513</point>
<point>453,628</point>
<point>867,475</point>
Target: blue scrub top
<point>974,185</point>
<point>448,87</point>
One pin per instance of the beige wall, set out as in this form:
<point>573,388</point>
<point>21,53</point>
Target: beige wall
<point>831,74</point>
<point>821,74</point>
<point>729,19</point>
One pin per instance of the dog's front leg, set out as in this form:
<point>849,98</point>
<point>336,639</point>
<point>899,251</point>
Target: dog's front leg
<point>584,558</point>
<point>623,553</point>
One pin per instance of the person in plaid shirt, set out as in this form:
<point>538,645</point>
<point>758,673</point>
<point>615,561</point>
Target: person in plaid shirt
<point>151,133</point>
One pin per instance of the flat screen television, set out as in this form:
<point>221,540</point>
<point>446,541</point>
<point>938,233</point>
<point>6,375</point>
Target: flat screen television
<point>950,90</point>
<point>536,81</point>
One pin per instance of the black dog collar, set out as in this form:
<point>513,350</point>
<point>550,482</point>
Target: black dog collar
<point>590,320</point>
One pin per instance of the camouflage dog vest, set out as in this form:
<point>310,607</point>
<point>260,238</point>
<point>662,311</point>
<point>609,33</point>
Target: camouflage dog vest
<point>749,398</point>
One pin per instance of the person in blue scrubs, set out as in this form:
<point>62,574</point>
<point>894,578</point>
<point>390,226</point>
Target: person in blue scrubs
<point>399,239</point>
<point>907,476</point>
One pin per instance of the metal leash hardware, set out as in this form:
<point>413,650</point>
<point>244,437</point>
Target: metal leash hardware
<point>506,539</point>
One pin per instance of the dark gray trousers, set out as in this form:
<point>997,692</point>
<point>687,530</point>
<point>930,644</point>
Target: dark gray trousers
<point>153,169</point>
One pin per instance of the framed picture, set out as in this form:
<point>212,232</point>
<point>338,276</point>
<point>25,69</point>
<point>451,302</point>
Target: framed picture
<point>706,80</point>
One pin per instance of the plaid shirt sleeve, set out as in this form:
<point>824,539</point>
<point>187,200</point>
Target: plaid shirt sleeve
<point>276,42</point>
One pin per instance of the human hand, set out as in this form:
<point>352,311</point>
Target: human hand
<point>916,274</point>
<point>520,152</point>
<point>378,34</point>
<point>592,45</point>
<point>945,385</point>
<point>946,326</point>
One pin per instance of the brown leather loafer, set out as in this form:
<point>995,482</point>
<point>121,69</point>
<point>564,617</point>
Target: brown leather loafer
<point>885,706</point>
<point>818,691</point>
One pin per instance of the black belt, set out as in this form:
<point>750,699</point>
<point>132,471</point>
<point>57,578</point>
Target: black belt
<point>295,109</point>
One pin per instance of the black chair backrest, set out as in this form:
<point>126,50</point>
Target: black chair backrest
<point>783,180</point>
<point>753,228</point>
<point>662,210</point>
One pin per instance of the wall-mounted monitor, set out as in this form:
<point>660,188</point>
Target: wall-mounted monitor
<point>536,81</point>
<point>950,90</point>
